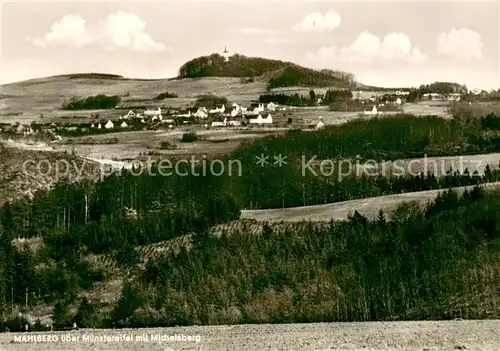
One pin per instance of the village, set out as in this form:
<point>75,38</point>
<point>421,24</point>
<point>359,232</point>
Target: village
<point>234,116</point>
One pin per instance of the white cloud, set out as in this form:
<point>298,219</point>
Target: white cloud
<point>126,30</point>
<point>68,31</point>
<point>394,48</point>
<point>317,22</point>
<point>120,30</point>
<point>463,44</point>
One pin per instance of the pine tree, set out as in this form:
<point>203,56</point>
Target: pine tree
<point>60,315</point>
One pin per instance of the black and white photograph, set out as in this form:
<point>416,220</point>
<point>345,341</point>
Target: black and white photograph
<point>249,175</point>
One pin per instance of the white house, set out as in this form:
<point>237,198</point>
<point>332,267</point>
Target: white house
<point>92,125</point>
<point>222,109</point>
<point>99,126</point>
<point>234,123</point>
<point>188,115</point>
<point>253,112</point>
<point>398,101</point>
<point>201,113</point>
<point>124,125</point>
<point>153,112</point>
<point>130,114</point>
<point>235,112</point>
<point>109,125</point>
<point>271,106</point>
<point>143,121</point>
<point>260,120</point>
<point>217,124</point>
<point>374,111</point>
<point>320,123</point>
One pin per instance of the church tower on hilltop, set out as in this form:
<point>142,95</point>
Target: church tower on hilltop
<point>225,54</point>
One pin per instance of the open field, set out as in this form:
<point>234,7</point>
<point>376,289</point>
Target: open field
<point>130,144</point>
<point>368,207</point>
<point>481,335</point>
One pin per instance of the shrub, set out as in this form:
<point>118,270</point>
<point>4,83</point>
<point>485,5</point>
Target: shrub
<point>165,95</point>
<point>96,102</point>
<point>189,137</point>
<point>165,145</point>
<point>210,101</point>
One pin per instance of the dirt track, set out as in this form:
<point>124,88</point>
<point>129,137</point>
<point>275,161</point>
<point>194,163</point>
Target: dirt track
<point>368,207</point>
<point>426,335</point>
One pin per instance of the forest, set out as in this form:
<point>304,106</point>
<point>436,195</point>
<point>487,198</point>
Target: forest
<point>239,274</point>
<point>431,262</point>
<point>96,102</point>
<point>294,75</point>
<point>277,73</point>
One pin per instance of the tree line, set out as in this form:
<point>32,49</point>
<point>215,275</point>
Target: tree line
<point>96,102</point>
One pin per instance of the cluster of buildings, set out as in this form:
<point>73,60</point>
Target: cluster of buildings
<point>223,117</point>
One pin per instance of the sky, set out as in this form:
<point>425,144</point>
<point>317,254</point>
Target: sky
<point>382,43</point>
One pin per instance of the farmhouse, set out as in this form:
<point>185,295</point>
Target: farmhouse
<point>130,114</point>
<point>109,125</point>
<point>272,106</point>
<point>235,112</point>
<point>260,120</point>
<point>124,125</point>
<point>201,113</point>
<point>398,101</point>
<point>234,123</point>
<point>320,123</point>
<point>222,109</point>
<point>153,112</point>
<point>219,124</point>
<point>374,111</point>
<point>188,115</point>
<point>20,129</point>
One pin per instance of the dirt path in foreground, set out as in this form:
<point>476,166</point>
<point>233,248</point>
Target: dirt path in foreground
<point>368,207</point>
<point>425,335</point>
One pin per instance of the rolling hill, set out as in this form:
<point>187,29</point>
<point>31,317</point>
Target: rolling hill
<point>242,79</point>
<point>276,73</point>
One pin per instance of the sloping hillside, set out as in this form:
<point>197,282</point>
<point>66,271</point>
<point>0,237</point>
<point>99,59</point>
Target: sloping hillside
<point>24,171</point>
<point>25,101</point>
